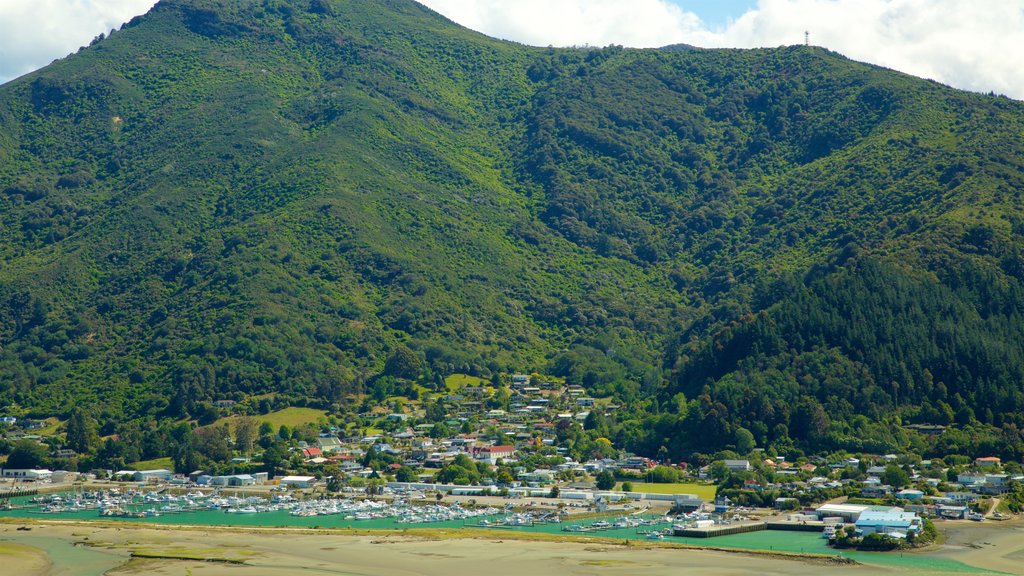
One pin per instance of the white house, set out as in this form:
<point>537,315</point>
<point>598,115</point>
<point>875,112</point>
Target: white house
<point>970,478</point>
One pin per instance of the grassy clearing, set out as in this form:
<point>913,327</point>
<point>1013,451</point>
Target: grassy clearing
<point>292,417</point>
<point>50,427</point>
<point>456,381</point>
<point>705,491</point>
<point>154,464</point>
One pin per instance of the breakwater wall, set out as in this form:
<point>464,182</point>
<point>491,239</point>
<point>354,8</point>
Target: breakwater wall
<point>719,530</point>
<point>17,493</point>
<point>792,527</point>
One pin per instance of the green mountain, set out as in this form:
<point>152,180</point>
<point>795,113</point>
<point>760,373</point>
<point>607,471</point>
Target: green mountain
<point>230,200</point>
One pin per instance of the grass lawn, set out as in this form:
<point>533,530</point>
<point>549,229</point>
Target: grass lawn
<point>705,491</point>
<point>292,417</point>
<point>456,381</point>
<point>154,464</point>
<point>49,428</point>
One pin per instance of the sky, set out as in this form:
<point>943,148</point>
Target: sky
<point>975,45</point>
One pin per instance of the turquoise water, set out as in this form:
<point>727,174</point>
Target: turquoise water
<point>771,540</point>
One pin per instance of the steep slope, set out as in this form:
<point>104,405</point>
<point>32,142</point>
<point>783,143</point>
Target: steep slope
<point>229,199</point>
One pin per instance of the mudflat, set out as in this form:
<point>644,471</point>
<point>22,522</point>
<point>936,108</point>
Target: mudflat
<point>256,552</point>
<point>22,559</point>
<point>995,546</point>
<point>253,551</point>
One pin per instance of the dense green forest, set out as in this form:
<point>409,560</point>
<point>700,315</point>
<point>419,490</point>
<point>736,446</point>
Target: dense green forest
<point>302,201</point>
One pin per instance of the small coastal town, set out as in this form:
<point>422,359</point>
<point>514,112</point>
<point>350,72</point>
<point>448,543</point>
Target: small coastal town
<point>586,287</point>
<point>519,456</point>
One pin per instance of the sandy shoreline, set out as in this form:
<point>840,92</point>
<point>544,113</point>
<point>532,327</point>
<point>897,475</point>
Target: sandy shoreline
<point>215,551</point>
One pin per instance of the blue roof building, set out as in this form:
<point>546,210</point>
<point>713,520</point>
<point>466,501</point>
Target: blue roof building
<point>892,523</point>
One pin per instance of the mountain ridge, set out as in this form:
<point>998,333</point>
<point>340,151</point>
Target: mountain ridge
<point>224,200</point>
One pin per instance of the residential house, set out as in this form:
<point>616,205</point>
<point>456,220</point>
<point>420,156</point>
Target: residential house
<point>329,444</point>
<point>637,463</point>
<point>491,454</point>
<point>786,503</point>
<point>962,497</point>
<point>538,476</point>
<point>987,462</point>
<point>875,490</point>
<point>737,465</point>
<point>970,478</point>
<point>910,494</point>
<point>997,479</point>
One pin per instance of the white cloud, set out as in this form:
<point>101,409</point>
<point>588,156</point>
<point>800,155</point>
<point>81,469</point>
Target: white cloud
<point>969,44</point>
<point>35,32</point>
<point>637,23</point>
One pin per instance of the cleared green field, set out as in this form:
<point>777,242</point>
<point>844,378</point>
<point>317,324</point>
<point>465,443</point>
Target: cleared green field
<point>50,427</point>
<point>154,464</point>
<point>456,381</point>
<point>292,417</point>
<point>705,491</point>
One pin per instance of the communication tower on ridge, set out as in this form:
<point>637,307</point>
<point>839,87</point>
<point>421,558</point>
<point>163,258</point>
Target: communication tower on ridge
<point>807,38</point>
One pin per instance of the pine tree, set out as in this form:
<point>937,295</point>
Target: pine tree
<point>81,432</point>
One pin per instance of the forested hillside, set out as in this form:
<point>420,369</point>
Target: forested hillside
<point>227,200</point>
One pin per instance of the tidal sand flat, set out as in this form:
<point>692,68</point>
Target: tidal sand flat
<point>22,559</point>
<point>215,552</point>
<point>120,549</point>
<point>57,552</point>
<point>997,546</point>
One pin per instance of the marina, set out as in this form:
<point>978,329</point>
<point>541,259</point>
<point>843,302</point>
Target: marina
<point>415,511</point>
